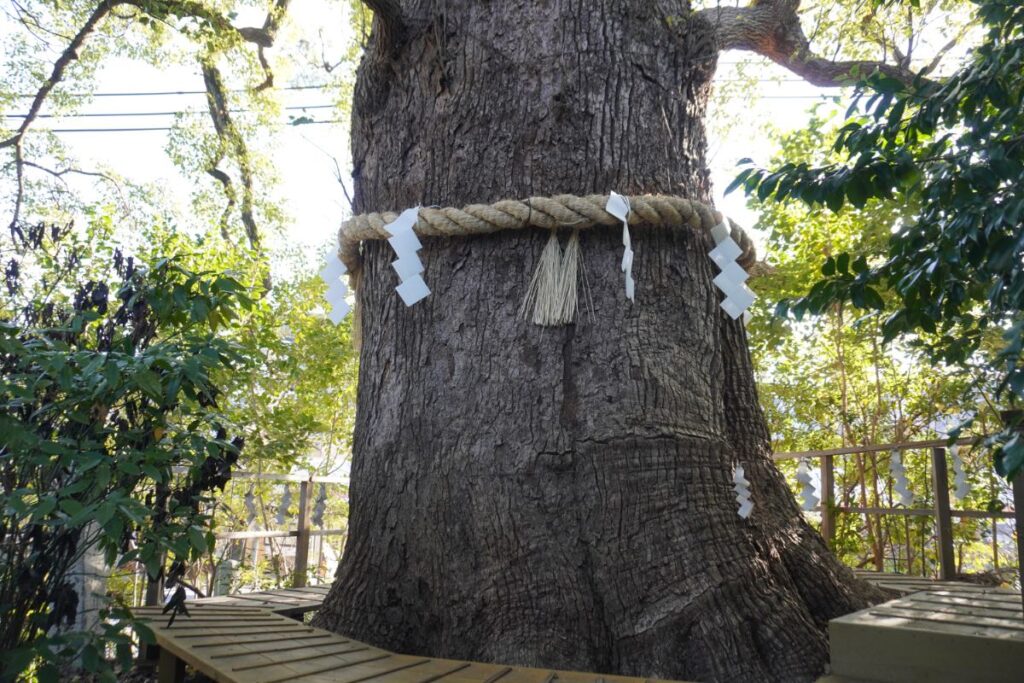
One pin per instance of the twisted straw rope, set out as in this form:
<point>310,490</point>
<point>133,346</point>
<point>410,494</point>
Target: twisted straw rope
<point>550,213</point>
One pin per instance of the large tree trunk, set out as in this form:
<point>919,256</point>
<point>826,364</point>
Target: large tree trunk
<point>562,497</point>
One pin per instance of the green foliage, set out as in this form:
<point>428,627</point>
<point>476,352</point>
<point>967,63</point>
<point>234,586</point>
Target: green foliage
<point>951,276</point>
<point>873,393</point>
<point>111,428</point>
<point>297,405</point>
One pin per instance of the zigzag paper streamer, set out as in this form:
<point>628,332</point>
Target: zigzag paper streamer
<point>961,487</point>
<point>807,492</point>
<point>320,507</point>
<point>286,502</point>
<point>403,240</point>
<point>732,281</point>
<point>331,274</point>
<point>618,206</point>
<point>250,505</point>
<point>742,488</point>
<point>899,476</point>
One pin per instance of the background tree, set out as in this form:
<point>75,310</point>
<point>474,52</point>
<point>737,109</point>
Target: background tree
<point>954,148</point>
<point>875,393</point>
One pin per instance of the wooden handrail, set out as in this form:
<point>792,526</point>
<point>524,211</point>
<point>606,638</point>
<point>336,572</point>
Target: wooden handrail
<point>921,512</point>
<point>274,476</point>
<point>875,448</point>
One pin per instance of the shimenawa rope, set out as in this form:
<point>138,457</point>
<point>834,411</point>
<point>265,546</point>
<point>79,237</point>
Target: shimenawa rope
<point>552,291</point>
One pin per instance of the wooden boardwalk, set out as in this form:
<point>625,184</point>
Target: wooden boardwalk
<point>290,602</point>
<point>905,585</point>
<point>243,644</point>
<point>937,631</point>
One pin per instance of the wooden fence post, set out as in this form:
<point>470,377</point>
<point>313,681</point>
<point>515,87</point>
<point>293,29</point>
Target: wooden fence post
<point>943,520</point>
<point>302,536</point>
<point>1018,519</point>
<point>828,501</point>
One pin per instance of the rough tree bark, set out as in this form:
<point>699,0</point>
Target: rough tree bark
<point>562,497</point>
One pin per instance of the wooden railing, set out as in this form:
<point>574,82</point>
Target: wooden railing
<point>941,510</point>
<point>302,533</point>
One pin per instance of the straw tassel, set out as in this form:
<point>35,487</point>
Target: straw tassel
<point>552,298</point>
<point>568,299</point>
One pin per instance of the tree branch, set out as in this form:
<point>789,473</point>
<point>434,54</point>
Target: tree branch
<point>65,59</point>
<point>390,23</point>
<point>771,28</point>
<point>227,134</point>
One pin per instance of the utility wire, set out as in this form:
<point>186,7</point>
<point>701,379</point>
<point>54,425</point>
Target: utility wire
<point>328,86</point>
<point>157,113</point>
<point>162,128</point>
<point>299,108</point>
<point>160,93</point>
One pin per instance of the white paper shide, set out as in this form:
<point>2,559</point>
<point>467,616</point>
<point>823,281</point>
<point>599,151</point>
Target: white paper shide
<point>403,240</point>
<point>732,280</point>
<point>332,274</point>
<point>618,206</point>
<point>742,488</point>
<point>806,481</point>
<point>899,479</point>
<point>960,486</point>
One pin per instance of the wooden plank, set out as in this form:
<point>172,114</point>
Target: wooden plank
<point>937,600</point>
<point>945,608</point>
<point>259,597</point>
<point>297,671</point>
<point>384,672</point>
<point>954,620</point>
<point>294,629</point>
<point>272,659</point>
<point>996,597</point>
<point>256,639</point>
<point>446,670</point>
<point>182,619</point>
<point>894,650</point>
<point>240,611</point>
<point>290,645</point>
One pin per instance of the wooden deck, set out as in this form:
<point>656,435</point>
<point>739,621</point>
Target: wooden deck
<point>905,585</point>
<point>938,631</point>
<point>289,602</point>
<point>944,635</point>
<point>242,644</point>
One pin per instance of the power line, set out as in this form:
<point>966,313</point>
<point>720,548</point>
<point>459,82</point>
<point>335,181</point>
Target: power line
<point>157,113</point>
<point>162,128</point>
<point>301,108</point>
<point>328,86</point>
<point>160,93</point>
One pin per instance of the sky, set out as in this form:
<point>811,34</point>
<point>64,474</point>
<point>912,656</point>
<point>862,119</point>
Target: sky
<point>305,157</point>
